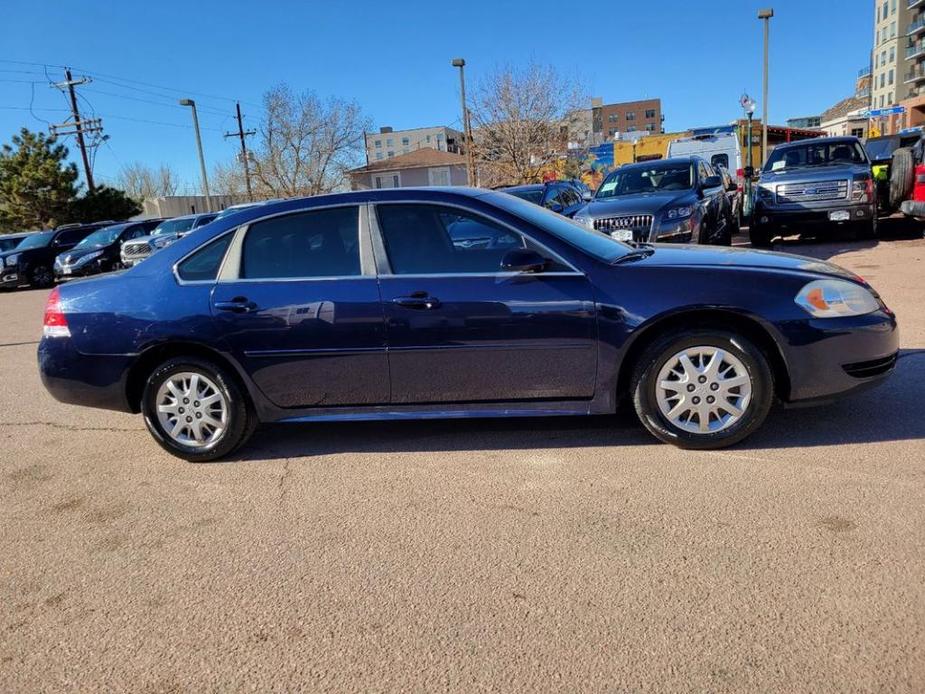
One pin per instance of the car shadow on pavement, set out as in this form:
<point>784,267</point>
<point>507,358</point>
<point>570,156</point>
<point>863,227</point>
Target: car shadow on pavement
<point>889,412</point>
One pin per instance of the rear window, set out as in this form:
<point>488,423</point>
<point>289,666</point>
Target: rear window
<point>203,265</point>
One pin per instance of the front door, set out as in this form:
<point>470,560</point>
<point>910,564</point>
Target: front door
<point>301,312</point>
<point>461,330</point>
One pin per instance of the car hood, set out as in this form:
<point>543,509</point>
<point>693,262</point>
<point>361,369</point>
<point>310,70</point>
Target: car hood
<point>673,255</point>
<point>814,173</point>
<point>645,203</point>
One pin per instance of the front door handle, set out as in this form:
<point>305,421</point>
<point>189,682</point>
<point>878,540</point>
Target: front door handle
<point>239,304</point>
<point>418,300</point>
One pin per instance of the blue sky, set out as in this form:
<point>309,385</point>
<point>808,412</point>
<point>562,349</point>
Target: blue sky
<point>394,59</point>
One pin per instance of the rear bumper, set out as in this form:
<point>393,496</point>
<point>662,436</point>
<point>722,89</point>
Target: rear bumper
<point>913,208</point>
<point>833,357</point>
<point>82,379</point>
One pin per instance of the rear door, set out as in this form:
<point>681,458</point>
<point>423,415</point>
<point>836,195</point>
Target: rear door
<point>298,304</point>
<point>460,329</point>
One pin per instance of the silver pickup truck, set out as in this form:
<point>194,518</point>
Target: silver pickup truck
<point>814,187</point>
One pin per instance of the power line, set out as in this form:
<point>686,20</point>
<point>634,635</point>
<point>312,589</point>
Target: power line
<point>173,103</point>
<point>242,135</point>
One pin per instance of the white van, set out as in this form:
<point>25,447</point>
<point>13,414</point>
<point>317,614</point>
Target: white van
<point>720,149</point>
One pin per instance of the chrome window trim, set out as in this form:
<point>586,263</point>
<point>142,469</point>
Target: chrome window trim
<point>176,266</point>
<point>507,274</point>
<point>380,246</point>
<point>231,265</point>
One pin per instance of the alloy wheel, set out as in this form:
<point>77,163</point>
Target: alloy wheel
<point>191,409</point>
<point>703,390</point>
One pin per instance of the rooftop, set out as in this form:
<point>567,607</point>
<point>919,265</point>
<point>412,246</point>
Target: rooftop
<point>426,156</point>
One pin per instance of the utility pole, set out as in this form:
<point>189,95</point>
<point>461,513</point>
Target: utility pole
<point>202,159</point>
<point>467,130</point>
<point>80,127</point>
<point>766,15</point>
<point>241,134</point>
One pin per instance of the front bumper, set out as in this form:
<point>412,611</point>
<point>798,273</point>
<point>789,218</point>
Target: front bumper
<point>836,356</point>
<point>796,220</point>
<point>65,272</point>
<point>11,277</point>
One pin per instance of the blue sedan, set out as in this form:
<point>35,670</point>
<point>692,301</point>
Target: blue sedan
<point>375,305</point>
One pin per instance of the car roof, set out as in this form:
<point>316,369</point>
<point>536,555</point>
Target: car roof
<point>818,141</point>
<point>685,159</point>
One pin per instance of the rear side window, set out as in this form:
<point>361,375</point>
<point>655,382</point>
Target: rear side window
<point>72,236</point>
<point>317,243</point>
<point>720,160</point>
<point>203,265</point>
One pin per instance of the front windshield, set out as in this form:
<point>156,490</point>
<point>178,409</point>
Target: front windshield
<point>101,237</point>
<point>634,180</point>
<point>174,226</point>
<point>534,196</point>
<point>594,243</point>
<point>816,154</point>
<point>39,240</point>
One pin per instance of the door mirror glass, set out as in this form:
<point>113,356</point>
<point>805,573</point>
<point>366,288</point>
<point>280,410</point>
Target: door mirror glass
<point>523,260</point>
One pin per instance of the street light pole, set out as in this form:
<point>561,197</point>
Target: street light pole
<point>467,132</point>
<point>766,15</point>
<point>202,159</point>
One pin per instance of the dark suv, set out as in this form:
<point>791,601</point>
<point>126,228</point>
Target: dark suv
<point>680,200</point>
<point>814,185</point>
<point>99,252</point>
<point>559,196</point>
<point>32,260</point>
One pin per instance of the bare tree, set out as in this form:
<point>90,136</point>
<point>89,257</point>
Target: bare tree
<point>520,121</point>
<point>306,144</point>
<point>140,181</point>
<point>227,178</point>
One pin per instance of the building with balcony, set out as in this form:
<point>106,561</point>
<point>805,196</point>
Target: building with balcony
<point>892,42</point>
<point>388,143</point>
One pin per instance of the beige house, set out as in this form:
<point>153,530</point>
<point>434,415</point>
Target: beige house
<point>422,167</point>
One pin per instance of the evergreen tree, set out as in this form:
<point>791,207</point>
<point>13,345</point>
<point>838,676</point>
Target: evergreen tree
<point>37,184</point>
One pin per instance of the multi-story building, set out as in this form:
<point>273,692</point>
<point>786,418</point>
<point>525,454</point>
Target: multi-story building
<point>804,122</point>
<point>606,122</point>
<point>888,59</point>
<point>388,143</point>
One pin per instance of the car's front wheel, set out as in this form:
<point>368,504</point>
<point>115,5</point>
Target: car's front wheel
<point>41,277</point>
<point>702,389</point>
<point>195,410</point>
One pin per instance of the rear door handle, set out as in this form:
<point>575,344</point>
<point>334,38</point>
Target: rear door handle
<point>239,304</point>
<point>418,300</point>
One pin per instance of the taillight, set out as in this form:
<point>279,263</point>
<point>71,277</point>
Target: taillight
<point>55,321</point>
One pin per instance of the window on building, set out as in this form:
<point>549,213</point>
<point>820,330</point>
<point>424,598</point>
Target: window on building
<point>389,142</point>
<point>391,153</point>
<point>883,57</point>
<point>611,132</point>
<point>406,141</point>
<point>630,115</point>
<point>650,127</point>
<point>319,243</point>
<point>378,144</point>
<point>428,138</point>
<point>612,118</point>
<point>893,7</point>
<point>892,53</point>
<point>378,155</point>
<point>890,77</point>
<point>893,29</point>
<point>631,129</point>
<point>405,150</point>
<point>857,132</point>
<point>882,80</point>
<point>650,113</point>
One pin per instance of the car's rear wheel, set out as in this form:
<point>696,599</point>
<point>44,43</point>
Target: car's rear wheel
<point>41,277</point>
<point>195,410</point>
<point>702,389</point>
<point>760,236</point>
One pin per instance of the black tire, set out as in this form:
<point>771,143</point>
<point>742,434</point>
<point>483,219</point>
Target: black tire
<point>41,277</point>
<point>902,174</point>
<point>644,387</point>
<point>760,236</point>
<point>241,419</point>
<point>869,230</point>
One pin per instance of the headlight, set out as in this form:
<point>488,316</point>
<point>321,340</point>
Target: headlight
<point>679,212</point>
<point>11,260</point>
<point>83,260</point>
<point>835,299</point>
<point>162,243</point>
<point>584,221</point>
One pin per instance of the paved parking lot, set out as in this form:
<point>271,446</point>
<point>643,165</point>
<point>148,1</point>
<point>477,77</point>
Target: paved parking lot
<point>559,555</point>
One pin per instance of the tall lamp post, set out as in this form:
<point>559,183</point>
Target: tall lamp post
<point>202,159</point>
<point>467,132</point>
<point>766,15</point>
<point>748,105</point>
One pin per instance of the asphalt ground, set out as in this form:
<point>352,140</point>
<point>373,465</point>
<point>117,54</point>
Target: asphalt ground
<point>521,555</point>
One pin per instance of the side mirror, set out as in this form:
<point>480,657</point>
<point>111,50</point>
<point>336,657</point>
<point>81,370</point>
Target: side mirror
<point>749,172</point>
<point>586,196</point>
<point>711,182</point>
<point>523,260</point>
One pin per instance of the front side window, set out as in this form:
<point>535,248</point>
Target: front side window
<point>203,265</point>
<point>316,243</point>
<point>433,239</point>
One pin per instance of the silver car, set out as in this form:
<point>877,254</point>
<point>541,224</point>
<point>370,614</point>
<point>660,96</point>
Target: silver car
<point>168,231</point>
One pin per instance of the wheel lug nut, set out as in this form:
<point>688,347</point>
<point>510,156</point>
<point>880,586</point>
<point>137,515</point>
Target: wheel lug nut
<point>189,419</point>
<point>690,388</point>
<point>702,379</point>
<point>711,399</point>
<point>196,404</point>
<point>714,386</point>
<point>696,401</point>
<point>182,410</point>
<point>199,415</point>
<point>186,401</point>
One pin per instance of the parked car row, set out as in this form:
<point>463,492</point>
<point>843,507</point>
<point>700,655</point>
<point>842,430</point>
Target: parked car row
<point>40,258</point>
